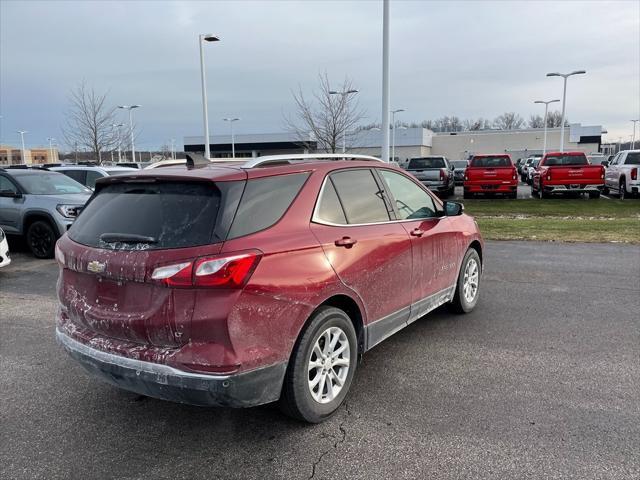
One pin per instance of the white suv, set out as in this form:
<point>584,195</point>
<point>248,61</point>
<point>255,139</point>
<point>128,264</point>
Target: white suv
<point>622,174</point>
<point>87,175</point>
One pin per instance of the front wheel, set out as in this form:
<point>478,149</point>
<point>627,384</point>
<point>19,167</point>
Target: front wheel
<point>321,367</point>
<point>41,239</point>
<point>468,286</point>
<point>622,191</point>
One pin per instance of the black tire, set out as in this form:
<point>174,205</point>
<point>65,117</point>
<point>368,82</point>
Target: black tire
<point>622,190</point>
<point>460,304</point>
<point>542,193</point>
<point>41,238</point>
<point>513,195</point>
<point>296,400</point>
<point>594,194</point>
<point>605,190</point>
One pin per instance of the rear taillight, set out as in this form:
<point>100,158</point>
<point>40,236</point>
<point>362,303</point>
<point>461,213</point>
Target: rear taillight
<point>515,173</point>
<point>634,173</point>
<point>442,174</point>
<point>230,271</point>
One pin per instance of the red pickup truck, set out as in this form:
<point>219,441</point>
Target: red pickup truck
<point>567,172</point>
<point>491,174</point>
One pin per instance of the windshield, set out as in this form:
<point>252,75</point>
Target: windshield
<point>417,163</point>
<point>50,183</point>
<point>632,158</point>
<point>566,160</point>
<point>490,162</point>
<point>459,163</point>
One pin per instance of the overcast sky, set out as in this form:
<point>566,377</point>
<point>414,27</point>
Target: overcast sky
<point>467,58</point>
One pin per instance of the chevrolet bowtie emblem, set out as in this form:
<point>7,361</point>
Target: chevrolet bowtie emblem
<point>96,267</point>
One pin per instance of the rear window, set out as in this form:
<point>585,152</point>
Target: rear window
<point>632,158</point>
<point>459,163</point>
<point>490,162</point>
<point>264,202</point>
<point>566,160</point>
<point>418,163</point>
<point>140,216</point>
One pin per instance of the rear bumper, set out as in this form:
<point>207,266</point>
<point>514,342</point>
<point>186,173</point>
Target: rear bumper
<point>247,389</point>
<point>436,186</point>
<point>575,188</point>
<point>490,187</point>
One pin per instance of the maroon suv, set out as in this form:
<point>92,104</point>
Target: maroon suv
<point>239,284</point>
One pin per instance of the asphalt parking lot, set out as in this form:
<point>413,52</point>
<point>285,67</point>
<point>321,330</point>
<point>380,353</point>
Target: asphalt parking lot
<point>540,381</point>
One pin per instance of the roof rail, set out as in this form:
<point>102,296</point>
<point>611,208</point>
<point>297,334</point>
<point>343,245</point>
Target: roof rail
<point>300,157</point>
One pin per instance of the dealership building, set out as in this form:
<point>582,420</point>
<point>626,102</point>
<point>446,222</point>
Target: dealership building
<point>412,142</point>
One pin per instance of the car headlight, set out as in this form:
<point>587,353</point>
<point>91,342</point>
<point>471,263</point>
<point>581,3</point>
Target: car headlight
<point>69,211</point>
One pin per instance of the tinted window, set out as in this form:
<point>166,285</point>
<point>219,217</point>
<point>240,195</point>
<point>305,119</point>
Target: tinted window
<point>418,163</point>
<point>7,185</point>
<point>77,175</point>
<point>489,162</point>
<point>170,214</point>
<point>411,200</point>
<point>566,160</point>
<point>329,208</point>
<point>49,183</point>
<point>264,201</point>
<point>360,196</point>
<point>459,163</point>
<point>92,176</point>
<point>633,158</point>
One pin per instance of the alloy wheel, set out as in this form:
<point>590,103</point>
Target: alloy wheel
<point>328,365</point>
<point>40,240</point>
<point>470,282</point>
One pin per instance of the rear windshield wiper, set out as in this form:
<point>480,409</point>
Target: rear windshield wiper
<point>126,238</point>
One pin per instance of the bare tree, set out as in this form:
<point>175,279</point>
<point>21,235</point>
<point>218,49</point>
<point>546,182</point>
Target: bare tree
<point>327,119</point>
<point>509,121</point>
<point>536,121</point>
<point>554,120</point>
<point>476,124</point>
<point>89,121</point>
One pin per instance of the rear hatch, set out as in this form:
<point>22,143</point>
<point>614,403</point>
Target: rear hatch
<point>491,170</point>
<point>128,230</point>
<point>572,170</point>
<point>427,169</point>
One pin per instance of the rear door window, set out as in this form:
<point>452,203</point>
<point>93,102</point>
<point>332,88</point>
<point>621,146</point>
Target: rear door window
<point>78,175</point>
<point>264,202</point>
<point>140,216</point>
<point>360,196</point>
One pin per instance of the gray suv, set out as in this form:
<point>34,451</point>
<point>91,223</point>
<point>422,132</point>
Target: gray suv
<point>40,206</point>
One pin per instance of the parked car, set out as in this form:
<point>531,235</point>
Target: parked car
<point>264,281</point>
<point>459,166</point>
<point>87,176</point>
<point>531,169</point>
<point>137,165</point>
<point>4,250</point>
<point>524,168</point>
<point>166,163</point>
<point>40,206</point>
<point>567,172</point>
<point>435,172</point>
<point>622,174</point>
<point>491,174</point>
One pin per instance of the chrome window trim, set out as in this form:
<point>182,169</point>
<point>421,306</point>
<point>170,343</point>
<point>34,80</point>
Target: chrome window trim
<point>315,218</point>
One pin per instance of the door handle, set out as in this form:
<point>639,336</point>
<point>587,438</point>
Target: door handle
<point>416,232</point>
<point>347,242</point>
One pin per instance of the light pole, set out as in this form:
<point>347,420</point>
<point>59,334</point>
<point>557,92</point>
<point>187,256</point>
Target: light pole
<point>173,149</point>
<point>119,137</point>
<point>51,139</point>
<point>233,139</point>
<point>564,99</point>
<point>24,158</point>
<point>343,95</point>
<point>130,108</point>
<point>393,138</point>
<point>205,37</point>
<point>385,81</point>
<point>633,138</point>
<point>546,110</point>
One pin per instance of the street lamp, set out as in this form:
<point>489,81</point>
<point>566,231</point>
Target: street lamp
<point>393,126</point>
<point>386,90</point>
<point>117,127</point>
<point>564,98</point>
<point>24,158</point>
<point>51,139</point>
<point>343,94</point>
<point>546,110</point>
<point>130,108</point>
<point>233,139</point>
<point>205,37</point>
<point>633,138</point>
<point>173,149</point>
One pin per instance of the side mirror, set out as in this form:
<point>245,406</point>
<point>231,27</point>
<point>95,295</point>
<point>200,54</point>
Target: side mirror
<point>10,194</point>
<point>453,209</point>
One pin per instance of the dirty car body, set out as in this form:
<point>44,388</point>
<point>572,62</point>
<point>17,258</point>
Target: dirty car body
<point>199,285</point>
